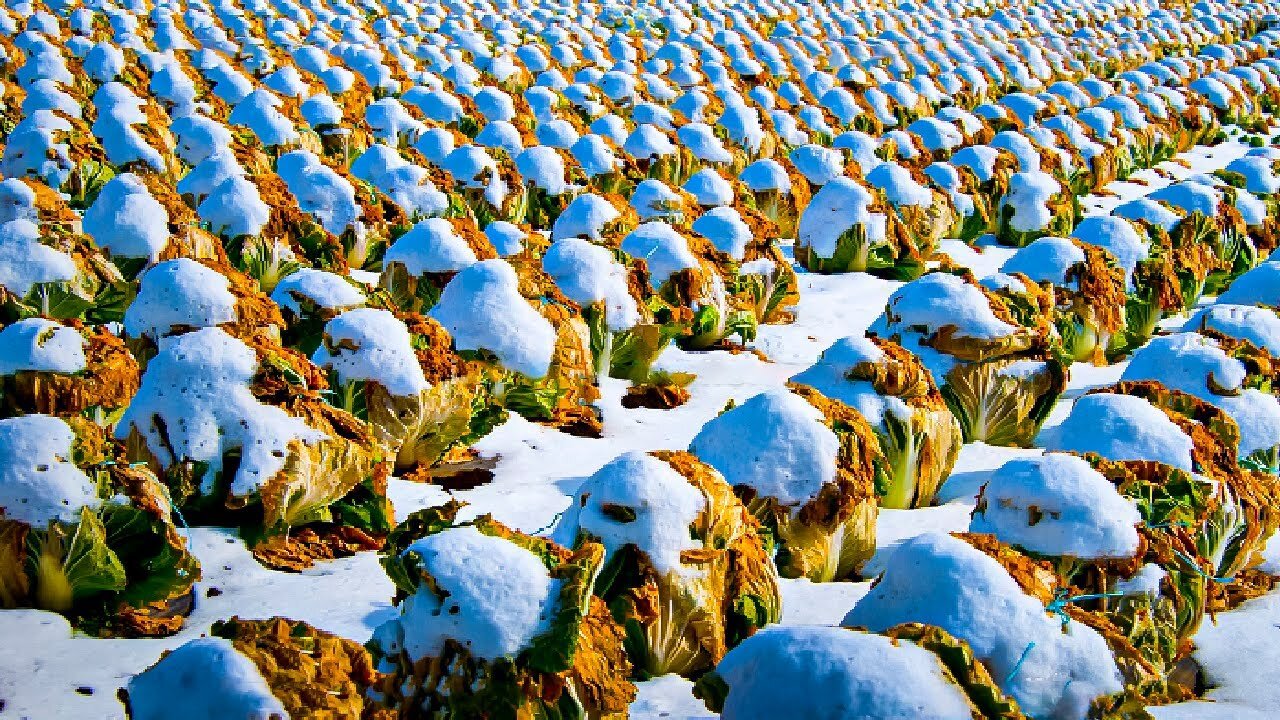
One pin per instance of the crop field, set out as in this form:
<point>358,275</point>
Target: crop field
<point>593,360</point>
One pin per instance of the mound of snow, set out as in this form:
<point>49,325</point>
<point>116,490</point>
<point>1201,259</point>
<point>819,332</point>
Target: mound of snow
<point>1120,427</point>
<point>589,274</point>
<point>371,344</point>
<point>1259,286</point>
<point>1195,364</point>
<point>41,345</point>
<point>791,454</point>
<point>179,294</point>
<point>834,210</point>
<point>38,482</point>
<point>495,608</point>
<point>126,220</point>
<point>25,262</point>
<point>939,300</point>
<point>1258,325</point>
<point>663,501</point>
<point>325,289</point>
<point>1057,504</point>
<point>431,246</point>
<point>826,672</point>
<point>195,404</point>
<point>203,679</point>
<point>663,248</point>
<point>1053,671</point>
<point>482,309</point>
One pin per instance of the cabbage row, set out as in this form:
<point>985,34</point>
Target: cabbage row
<point>261,256</point>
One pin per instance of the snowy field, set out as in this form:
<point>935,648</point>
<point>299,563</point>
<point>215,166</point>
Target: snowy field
<point>266,266</point>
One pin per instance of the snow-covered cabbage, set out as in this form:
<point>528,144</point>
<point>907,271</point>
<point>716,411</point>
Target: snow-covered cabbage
<point>84,533</point>
<point>677,540</point>
<point>810,475</point>
<point>1234,381</point>
<point>495,313</point>
<point>251,440</point>
<point>59,370</point>
<point>843,230</point>
<point>996,370</point>
<point>256,669</point>
<point>1088,293</point>
<point>520,630</point>
<point>916,671</point>
<point>379,367</point>
<point>941,580</point>
<point>889,386</point>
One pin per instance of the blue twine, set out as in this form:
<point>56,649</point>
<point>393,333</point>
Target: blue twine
<point>1196,566</point>
<point>1058,606</point>
<point>554,519</point>
<point>1018,665</point>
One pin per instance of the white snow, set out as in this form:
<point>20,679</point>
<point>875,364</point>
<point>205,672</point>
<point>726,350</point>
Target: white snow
<point>197,390</point>
<point>588,274</point>
<point>898,186</point>
<point>1029,195</point>
<point>1118,237</point>
<point>25,262</point>
<point>1057,504</point>
<point>1258,325</point>
<point>829,376</point>
<point>495,608</point>
<point>213,681</point>
<point>826,672</point>
<point>41,345</point>
<point>1190,362</point>
<point>179,294</point>
<point>662,247</point>
<point>324,289</point>
<point>1045,260</point>
<point>371,344</point>
<point>584,217</point>
<point>665,505</point>
<point>482,309</point>
<point>939,300</point>
<point>126,220</point>
<point>834,210</point>
<point>940,580</point>
<point>1120,427</point>
<point>38,482</point>
<point>725,228</point>
<point>791,453</point>
<point>431,246</point>
<point>1259,286</point>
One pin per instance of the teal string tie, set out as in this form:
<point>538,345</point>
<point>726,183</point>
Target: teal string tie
<point>1018,665</point>
<point>1058,606</point>
<point>1199,570</point>
<point>554,519</point>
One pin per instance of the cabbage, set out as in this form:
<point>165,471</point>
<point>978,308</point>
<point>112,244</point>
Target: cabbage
<point>113,562</point>
<point>914,670</point>
<point>686,572</point>
<point>998,368</point>
<point>329,472</point>
<point>298,668</point>
<point>812,478</point>
<point>100,391</point>
<point>918,434</point>
<point>452,406</point>
<point>572,664</point>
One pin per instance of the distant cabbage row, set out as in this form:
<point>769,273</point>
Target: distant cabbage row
<point>257,258</point>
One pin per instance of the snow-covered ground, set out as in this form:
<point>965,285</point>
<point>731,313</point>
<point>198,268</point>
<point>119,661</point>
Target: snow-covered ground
<point>46,671</point>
